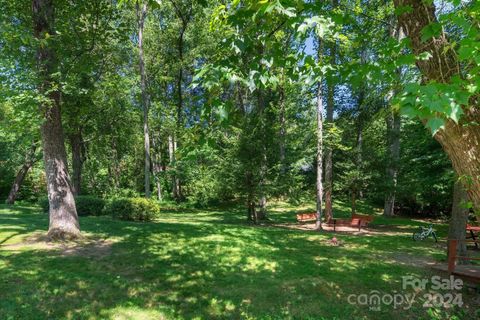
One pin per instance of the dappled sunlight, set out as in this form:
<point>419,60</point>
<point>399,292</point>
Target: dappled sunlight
<point>188,268</point>
<point>127,313</point>
<point>258,265</point>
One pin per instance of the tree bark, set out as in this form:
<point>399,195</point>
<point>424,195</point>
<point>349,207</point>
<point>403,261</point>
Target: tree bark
<point>283,132</point>
<point>319,112</point>
<point>393,157</point>
<point>30,160</point>
<point>184,19</point>
<point>78,158</point>
<point>354,201</point>
<point>141,15</point>
<point>157,166</point>
<point>63,213</point>
<point>359,160</point>
<point>172,147</point>
<point>459,141</point>
<point>458,220</point>
<point>262,103</point>
<point>329,121</point>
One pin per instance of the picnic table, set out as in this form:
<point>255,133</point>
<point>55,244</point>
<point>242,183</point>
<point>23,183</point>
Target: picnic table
<point>474,233</point>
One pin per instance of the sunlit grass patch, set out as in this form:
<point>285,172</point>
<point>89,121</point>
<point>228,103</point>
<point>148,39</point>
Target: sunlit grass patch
<point>204,264</point>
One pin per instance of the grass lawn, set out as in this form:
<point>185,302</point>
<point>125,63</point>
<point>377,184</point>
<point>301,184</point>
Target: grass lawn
<point>211,264</point>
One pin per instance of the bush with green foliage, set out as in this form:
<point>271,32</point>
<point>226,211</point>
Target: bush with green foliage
<point>89,205</point>
<point>133,209</point>
<point>86,205</point>
<point>43,203</point>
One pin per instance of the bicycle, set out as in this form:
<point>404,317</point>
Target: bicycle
<point>423,233</point>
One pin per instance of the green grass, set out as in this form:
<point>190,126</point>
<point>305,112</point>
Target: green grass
<point>208,264</point>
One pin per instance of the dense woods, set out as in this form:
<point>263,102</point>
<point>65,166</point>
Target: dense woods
<point>232,100</point>
<point>128,108</point>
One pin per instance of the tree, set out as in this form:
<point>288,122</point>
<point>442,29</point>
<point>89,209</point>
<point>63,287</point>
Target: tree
<point>445,100</point>
<point>141,15</point>
<point>329,120</point>
<point>393,121</point>
<point>459,218</point>
<point>30,159</point>
<point>63,214</point>
<point>319,111</point>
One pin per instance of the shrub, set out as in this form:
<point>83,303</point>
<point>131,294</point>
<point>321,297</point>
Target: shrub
<point>86,205</point>
<point>43,203</point>
<point>134,209</point>
<point>89,205</point>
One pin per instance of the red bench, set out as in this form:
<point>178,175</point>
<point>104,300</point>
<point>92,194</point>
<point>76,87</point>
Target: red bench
<point>365,220</point>
<point>354,222</point>
<point>474,233</point>
<point>357,220</point>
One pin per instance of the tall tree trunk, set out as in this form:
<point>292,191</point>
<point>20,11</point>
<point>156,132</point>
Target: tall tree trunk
<point>114,169</point>
<point>329,121</point>
<point>393,157</point>
<point>30,159</point>
<point>458,220</point>
<point>141,15</point>
<point>176,187</point>
<point>359,160</point>
<point>172,147</point>
<point>283,132</point>
<point>78,158</point>
<point>459,141</point>
<point>63,213</point>
<point>157,165</point>
<point>319,112</point>
<point>261,214</point>
<point>353,194</point>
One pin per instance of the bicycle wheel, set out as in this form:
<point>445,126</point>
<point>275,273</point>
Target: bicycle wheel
<point>417,236</point>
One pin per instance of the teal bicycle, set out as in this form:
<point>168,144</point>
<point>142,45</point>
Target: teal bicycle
<point>423,233</point>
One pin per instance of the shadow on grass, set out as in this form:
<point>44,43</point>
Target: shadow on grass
<point>198,264</point>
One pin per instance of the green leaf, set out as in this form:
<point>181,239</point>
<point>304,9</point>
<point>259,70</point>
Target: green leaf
<point>435,124</point>
<point>434,29</point>
<point>456,112</point>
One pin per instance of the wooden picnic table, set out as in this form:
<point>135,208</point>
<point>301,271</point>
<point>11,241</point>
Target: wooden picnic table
<point>474,233</point>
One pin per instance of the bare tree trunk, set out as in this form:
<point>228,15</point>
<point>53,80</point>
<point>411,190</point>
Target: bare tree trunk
<point>141,15</point>
<point>78,158</point>
<point>360,155</point>
<point>157,166</point>
<point>459,141</point>
<point>114,168</point>
<point>261,214</point>
<point>359,160</point>
<point>319,112</point>
<point>354,201</point>
<point>63,213</point>
<point>251,207</point>
<point>175,181</point>
<point>283,132</point>
<point>393,158</point>
<point>458,220</point>
<point>30,160</point>
<point>329,120</point>
<point>178,186</point>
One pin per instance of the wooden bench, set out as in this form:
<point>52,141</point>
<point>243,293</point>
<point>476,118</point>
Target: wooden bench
<point>303,217</point>
<point>467,272</point>
<point>365,220</point>
<point>356,221</point>
<point>474,233</point>
<point>353,222</point>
